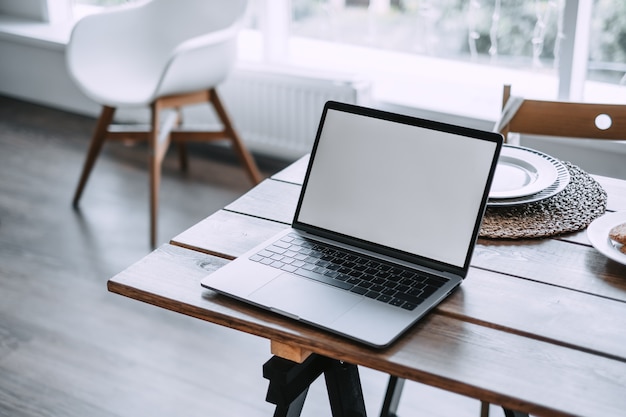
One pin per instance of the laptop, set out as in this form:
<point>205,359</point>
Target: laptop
<point>384,229</point>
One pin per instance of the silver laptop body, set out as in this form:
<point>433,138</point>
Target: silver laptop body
<point>397,195</point>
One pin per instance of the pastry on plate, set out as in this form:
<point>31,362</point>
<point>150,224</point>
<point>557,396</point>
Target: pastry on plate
<point>618,234</point>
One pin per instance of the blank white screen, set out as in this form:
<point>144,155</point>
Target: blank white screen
<point>405,187</point>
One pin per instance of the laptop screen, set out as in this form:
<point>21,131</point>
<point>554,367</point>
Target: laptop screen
<point>407,184</point>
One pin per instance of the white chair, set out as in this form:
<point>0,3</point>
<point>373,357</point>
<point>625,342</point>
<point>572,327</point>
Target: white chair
<point>158,54</point>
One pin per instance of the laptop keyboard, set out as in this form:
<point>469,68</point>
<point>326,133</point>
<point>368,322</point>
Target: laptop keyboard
<point>385,282</point>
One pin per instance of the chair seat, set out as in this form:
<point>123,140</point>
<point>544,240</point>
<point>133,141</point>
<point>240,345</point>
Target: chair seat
<point>124,89</point>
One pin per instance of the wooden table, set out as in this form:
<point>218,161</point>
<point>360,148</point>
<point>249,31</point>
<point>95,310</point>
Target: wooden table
<point>538,326</point>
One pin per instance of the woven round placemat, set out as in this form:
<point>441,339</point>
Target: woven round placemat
<point>581,202</point>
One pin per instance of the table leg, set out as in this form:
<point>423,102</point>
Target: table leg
<point>392,397</point>
<point>344,390</point>
<point>511,413</point>
<point>290,381</point>
<point>289,384</point>
<point>394,391</point>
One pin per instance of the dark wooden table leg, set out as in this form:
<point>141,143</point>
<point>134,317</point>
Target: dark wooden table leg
<point>344,390</point>
<point>289,384</point>
<point>392,397</point>
<point>511,413</point>
<point>290,381</point>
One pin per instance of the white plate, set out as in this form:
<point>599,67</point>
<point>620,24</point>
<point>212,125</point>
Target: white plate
<point>559,185</point>
<point>598,234</point>
<point>522,172</point>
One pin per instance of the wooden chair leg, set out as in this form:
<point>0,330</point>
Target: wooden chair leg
<point>97,140</point>
<point>183,158</point>
<point>155,172</point>
<point>159,141</point>
<point>484,409</point>
<point>244,155</point>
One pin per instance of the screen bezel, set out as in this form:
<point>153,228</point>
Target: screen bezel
<point>492,137</point>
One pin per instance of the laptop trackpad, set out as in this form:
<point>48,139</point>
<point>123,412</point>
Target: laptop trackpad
<point>304,299</point>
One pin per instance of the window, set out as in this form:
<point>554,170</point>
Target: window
<point>567,49</point>
<point>438,49</point>
<point>607,57</point>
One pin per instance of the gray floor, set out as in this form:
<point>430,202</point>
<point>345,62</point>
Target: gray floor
<point>70,348</point>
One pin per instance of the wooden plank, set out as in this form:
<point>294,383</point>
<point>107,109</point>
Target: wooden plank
<point>498,368</point>
<point>616,190</point>
<point>544,312</point>
<point>502,368</point>
<point>294,173</point>
<point>227,234</point>
<point>271,200</point>
<point>290,352</point>
<point>576,267</point>
<point>579,237</point>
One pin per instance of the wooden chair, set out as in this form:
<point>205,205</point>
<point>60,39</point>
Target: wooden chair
<point>558,119</point>
<point>162,54</point>
<point>563,119</point>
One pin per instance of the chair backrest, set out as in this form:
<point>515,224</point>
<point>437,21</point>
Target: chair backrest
<point>174,21</point>
<point>175,46</point>
<point>566,119</point>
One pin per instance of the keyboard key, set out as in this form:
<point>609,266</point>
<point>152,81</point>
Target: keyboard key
<point>323,278</point>
<point>308,267</point>
<point>396,302</point>
<point>429,290</point>
<point>416,292</point>
<point>276,249</point>
<point>343,277</point>
<point>331,273</point>
<point>281,244</point>
<point>359,290</point>
<point>389,291</point>
<point>289,268</point>
<point>408,298</point>
<point>353,281</point>
<point>372,294</point>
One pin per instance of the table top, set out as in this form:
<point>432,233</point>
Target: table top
<point>538,326</point>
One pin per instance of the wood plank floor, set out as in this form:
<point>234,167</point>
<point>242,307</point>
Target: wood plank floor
<point>70,348</point>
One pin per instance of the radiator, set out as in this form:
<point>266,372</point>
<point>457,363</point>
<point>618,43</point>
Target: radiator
<point>277,113</point>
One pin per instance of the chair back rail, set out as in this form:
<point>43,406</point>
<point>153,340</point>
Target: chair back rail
<point>566,119</point>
